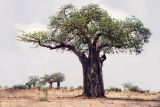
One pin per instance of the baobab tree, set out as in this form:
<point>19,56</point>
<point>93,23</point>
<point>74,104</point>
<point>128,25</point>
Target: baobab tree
<point>90,33</point>
<point>49,79</point>
<point>58,77</point>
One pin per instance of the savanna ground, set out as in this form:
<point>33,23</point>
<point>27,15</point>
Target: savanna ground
<point>72,98</point>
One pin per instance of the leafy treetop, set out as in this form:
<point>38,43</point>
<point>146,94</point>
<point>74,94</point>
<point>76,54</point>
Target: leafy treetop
<point>58,77</point>
<point>77,30</point>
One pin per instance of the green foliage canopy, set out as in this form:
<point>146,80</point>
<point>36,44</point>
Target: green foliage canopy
<point>58,77</point>
<point>76,30</point>
<point>48,78</point>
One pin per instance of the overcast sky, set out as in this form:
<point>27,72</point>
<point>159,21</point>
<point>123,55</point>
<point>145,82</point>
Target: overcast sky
<point>19,60</point>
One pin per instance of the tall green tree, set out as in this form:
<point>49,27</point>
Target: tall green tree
<point>90,33</point>
<point>58,77</point>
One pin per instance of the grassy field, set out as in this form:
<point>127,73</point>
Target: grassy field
<point>72,98</point>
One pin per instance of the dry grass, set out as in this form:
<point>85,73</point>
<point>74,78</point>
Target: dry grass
<point>67,98</point>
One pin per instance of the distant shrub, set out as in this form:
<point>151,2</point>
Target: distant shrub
<point>45,91</point>
<point>114,89</point>
<point>144,91</point>
<point>134,89</point>
<point>19,87</point>
<point>79,87</point>
<point>127,86</point>
<point>64,87</point>
<point>147,91</point>
<point>71,88</point>
<point>137,89</point>
<point>41,99</point>
<point>6,87</point>
<point>45,94</point>
<point>130,87</point>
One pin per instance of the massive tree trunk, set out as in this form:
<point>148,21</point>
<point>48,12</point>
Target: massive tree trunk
<point>92,80</point>
<point>92,74</point>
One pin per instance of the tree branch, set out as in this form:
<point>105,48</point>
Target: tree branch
<point>102,46</point>
<point>61,45</point>
<point>102,59</point>
<point>77,52</point>
<point>96,38</point>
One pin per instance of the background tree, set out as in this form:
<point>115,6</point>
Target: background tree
<point>41,83</point>
<point>49,79</point>
<point>134,88</point>
<point>90,33</point>
<point>29,84</point>
<point>58,77</point>
<point>127,86</point>
<point>33,80</point>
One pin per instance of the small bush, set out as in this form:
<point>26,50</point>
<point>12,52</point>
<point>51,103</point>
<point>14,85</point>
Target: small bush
<point>134,89</point>
<point>147,91</point>
<point>6,87</point>
<point>79,87</point>
<point>45,91</point>
<point>41,99</point>
<point>44,96</point>
<point>144,91</point>
<point>71,89</point>
<point>64,87</point>
<point>19,87</point>
<point>114,89</point>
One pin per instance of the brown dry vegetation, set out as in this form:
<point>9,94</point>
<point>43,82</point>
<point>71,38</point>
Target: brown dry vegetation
<point>71,98</point>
